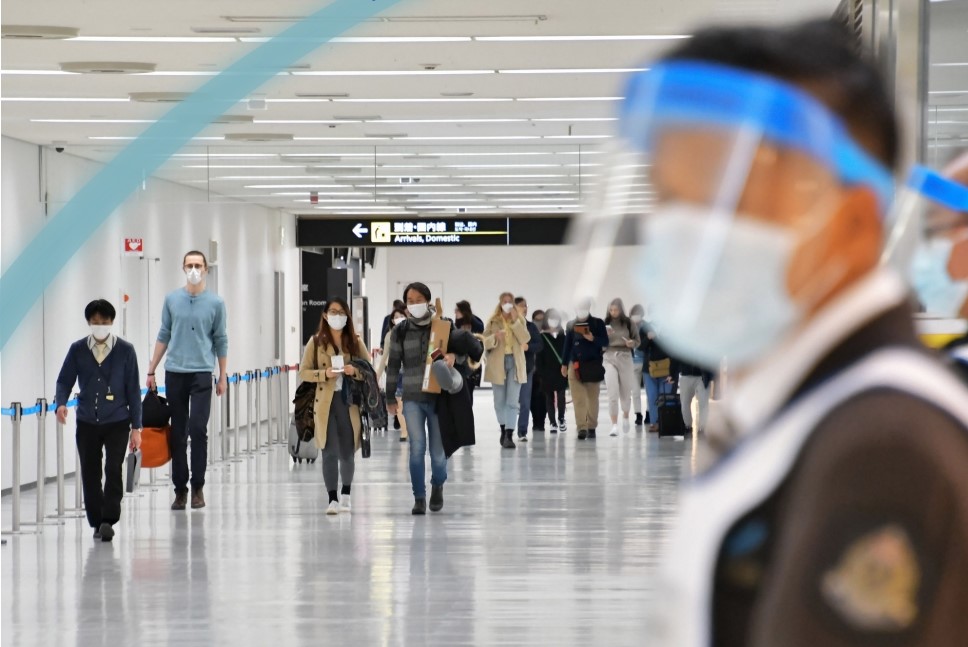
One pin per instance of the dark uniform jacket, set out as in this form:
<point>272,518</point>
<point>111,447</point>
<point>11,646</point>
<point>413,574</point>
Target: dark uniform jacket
<point>865,539</point>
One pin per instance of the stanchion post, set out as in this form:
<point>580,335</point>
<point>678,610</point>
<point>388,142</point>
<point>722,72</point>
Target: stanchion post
<point>16,419</point>
<point>42,466</point>
<point>258,407</point>
<point>250,375</point>
<point>224,423</point>
<point>62,511</point>
<point>237,427</point>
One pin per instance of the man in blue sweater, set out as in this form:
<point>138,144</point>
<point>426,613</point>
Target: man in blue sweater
<point>109,406</point>
<point>193,333</point>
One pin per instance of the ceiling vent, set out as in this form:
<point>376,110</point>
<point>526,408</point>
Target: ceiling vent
<point>525,18</point>
<point>157,97</point>
<point>360,118</point>
<point>234,119</point>
<point>310,159</point>
<point>258,137</point>
<point>227,31</point>
<point>386,135</point>
<point>107,67</point>
<point>456,95</point>
<point>322,95</point>
<point>37,32</point>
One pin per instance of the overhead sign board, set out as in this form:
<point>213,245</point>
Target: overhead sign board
<point>419,232</point>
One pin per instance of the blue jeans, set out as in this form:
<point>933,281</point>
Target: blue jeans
<point>507,396</point>
<point>654,386</point>
<point>524,404</point>
<point>422,424</point>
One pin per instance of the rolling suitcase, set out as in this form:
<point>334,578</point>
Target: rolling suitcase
<point>301,450</point>
<point>670,416</point>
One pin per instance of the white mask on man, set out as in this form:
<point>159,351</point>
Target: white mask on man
<point>100,332</point>
<point>194,276</point>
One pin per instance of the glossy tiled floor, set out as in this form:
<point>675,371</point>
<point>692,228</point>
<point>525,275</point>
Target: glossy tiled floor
<point>551,544</point>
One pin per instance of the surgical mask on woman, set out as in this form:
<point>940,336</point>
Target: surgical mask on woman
<point>507,308</point>
<point>336,322</point>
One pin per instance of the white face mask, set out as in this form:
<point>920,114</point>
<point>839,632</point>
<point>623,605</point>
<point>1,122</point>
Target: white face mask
<point>582,313</point>
<point>100,332</point>
<point>636,319</point>
<point>418,310</point>
<point>194,276</point>
<point>553,324</point>
<point>940,294</point>
<point>507,308</point>
<point>739,307</point>
<point>399,320</point>
<point>336,322</point>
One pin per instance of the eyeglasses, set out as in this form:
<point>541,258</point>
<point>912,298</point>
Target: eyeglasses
<point>335,313</point>
<point>194,266</point>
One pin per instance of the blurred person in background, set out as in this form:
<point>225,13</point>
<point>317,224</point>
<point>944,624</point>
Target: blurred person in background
<point>465,319</point>
<point>834,504</point>
<point>538,408</point>
<point>636,314</point>
<point>623,336</point>
<point>583,365</point>
<point>398,316</point>
<point>506,339</point>
<point>549,363</point>
<point>531,350</point>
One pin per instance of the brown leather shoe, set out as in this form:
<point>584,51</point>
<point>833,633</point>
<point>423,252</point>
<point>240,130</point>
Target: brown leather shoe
<point>198,501</point>
<point>181,499</point>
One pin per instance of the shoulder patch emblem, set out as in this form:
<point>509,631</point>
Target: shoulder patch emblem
<point>874,585</point>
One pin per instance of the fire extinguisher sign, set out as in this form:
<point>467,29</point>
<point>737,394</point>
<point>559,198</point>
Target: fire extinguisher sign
<point>134,246</point>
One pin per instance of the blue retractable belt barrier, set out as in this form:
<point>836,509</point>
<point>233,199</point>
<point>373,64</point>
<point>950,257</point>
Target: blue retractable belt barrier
<point>232,379</point>
<point>7,412</point>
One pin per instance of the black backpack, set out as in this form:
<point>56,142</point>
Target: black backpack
<point>304,411</point>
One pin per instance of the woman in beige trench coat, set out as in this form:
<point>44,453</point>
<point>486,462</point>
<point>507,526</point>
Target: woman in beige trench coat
<point>337,421</point>
<point>506,337</point>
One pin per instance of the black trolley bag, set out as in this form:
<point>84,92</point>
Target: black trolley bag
<point>670,422</point>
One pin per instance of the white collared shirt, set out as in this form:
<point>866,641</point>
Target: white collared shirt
<point>760,392</point>
<point>108,344</point>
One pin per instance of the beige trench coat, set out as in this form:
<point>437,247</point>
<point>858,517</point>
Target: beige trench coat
<point>494,350</point>
<point>326,388</point>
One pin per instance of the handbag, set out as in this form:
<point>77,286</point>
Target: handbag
<point>133,471</point>
<point>155,447</point>
<point>304,411</point>
<point>155,411</point>
<point>365,448</point>
<point>660,368</point>
<point>590,370</point>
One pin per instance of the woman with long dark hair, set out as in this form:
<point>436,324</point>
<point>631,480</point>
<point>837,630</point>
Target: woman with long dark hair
<point>338,423</point>
<point>623,336</point>
<point>465,319</point>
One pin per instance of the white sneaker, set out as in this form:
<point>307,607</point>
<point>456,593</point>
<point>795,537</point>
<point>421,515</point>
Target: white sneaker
<point>625,425</point>
<point>332,508</point>
<point>562,427</point>
<point>614,431</point>
<point>344,504</point>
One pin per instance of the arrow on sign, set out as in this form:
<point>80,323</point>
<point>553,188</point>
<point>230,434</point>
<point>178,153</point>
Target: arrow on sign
<point>359,230</point>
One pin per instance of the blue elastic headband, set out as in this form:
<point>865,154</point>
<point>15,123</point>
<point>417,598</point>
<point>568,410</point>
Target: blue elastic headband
<point>935,186</point>
<point>693,92</point>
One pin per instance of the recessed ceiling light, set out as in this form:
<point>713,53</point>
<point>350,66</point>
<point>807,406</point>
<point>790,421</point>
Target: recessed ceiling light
<point>258,137</point>
<point>37,32</point>
<point>107,67</point>
<point>226,30</point>
<point>320,95</point>
<point>641,37</point>
<point>158,97</point>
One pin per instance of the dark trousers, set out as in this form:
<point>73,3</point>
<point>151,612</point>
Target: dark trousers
<point>538,406</point>
<point>551,396</point>
<point>524,403</point>
<point>190,400</point>
<point>103,504</point>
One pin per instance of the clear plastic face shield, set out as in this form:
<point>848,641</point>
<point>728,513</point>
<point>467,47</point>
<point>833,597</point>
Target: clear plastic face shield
<point>715,206</point>
<point>929,241</point>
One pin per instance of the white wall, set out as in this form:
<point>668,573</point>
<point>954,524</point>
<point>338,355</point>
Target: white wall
<point>480,274</point>
<point>172,219</point>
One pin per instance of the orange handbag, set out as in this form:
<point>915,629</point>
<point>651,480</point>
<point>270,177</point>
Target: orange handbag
<point>155,450</point>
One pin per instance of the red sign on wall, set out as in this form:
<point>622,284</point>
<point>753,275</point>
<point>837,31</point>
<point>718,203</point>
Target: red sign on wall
<point>134,246</point>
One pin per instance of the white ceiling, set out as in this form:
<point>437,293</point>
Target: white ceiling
<point>507,147</point>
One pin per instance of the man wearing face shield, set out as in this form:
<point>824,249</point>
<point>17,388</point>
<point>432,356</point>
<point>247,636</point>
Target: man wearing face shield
<point>831,512</point>
<point>934,209</point>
